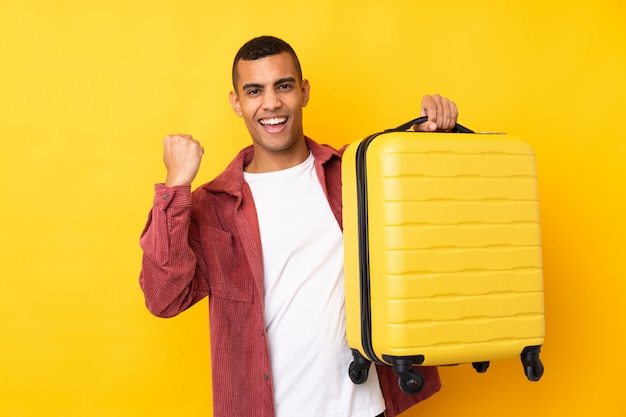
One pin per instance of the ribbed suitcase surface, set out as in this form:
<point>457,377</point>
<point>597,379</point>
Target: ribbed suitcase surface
<point>450,243</point>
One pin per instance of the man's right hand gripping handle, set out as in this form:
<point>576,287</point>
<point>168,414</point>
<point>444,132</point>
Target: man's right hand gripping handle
<point>182,155</point>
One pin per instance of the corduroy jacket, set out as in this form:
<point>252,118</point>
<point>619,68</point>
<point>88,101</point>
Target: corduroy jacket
<point>207,243</point>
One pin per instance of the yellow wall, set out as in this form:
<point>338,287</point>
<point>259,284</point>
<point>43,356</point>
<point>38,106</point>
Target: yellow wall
<point>88,90</point>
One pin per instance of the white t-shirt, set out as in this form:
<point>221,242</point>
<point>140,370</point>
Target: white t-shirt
<point>304,299</point>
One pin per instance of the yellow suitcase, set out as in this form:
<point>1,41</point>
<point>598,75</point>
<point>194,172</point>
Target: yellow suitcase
<point>443,259</point>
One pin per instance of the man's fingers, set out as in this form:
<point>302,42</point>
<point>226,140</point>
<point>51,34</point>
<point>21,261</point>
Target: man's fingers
<point>431,107</point>
<point>179,138</point>
<point>450,115</point>
<point>182,155</point>
<point>440,111</point>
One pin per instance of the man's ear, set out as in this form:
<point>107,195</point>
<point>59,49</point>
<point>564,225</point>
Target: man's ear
<point>236,105</point>
<point>306,88</point>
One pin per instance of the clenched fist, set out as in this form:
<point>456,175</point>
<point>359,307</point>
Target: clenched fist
<point>182,155</point>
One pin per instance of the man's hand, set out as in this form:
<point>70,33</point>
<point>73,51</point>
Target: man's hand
<point>182,155</point>
<point>442,114</point>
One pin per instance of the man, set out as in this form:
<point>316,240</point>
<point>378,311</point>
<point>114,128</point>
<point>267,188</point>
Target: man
<point>263,241</point>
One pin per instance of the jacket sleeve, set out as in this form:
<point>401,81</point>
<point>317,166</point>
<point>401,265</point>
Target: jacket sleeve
<point>173,273</point>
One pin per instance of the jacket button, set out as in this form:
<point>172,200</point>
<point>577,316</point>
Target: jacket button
<point>266,377</point>
<point>166,196</point>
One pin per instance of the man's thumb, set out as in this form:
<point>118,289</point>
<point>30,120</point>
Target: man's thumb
<point>425,127</point>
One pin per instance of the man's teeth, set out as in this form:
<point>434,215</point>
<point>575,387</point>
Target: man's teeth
<point>273,121</point>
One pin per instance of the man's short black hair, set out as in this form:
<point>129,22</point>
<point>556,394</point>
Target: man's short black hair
<point>262,47</point>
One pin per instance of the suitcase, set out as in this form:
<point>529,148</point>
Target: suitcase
<point>442,250</point>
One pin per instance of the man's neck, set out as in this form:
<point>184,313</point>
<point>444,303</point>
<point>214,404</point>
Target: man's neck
<point>271,161</point>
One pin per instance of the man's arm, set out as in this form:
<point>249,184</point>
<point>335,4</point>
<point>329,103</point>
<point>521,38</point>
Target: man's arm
<point>173,274</point>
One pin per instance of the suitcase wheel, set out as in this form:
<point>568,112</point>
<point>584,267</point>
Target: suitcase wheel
<point>411,382</point>
<point>358,375</point>
<point>359,368</point>
<point>410,379</point>
<point>533,368</point>
<point>481,367</point>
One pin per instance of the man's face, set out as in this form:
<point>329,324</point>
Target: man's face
<point>270,98</point>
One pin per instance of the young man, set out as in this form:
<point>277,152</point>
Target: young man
<point>263,241</point>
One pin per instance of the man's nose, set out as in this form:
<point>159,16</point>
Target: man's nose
<point>271,100</point>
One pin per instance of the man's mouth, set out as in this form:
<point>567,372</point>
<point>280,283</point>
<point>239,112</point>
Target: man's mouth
<point>274,121</point>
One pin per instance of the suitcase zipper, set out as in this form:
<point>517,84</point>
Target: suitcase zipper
<point>363,249</point>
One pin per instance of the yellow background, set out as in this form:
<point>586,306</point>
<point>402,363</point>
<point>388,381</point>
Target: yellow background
<point>89,89</point>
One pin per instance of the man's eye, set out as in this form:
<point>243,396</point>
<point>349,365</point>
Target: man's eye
<point>284,86</point>
<point>253,92</point>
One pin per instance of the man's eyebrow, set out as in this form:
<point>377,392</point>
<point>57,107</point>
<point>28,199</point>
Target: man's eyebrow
<point>285,80</point>
<point>251,85</point>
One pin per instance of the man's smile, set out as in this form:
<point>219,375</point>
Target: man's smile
<point>273,124</point>
<point>273,121</point>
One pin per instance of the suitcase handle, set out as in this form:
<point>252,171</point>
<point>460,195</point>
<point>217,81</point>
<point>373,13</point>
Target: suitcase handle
<point>406,126</point>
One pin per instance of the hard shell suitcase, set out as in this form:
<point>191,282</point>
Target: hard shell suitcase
<point>443,259</point>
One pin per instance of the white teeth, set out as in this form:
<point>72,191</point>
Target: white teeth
<point>273,121</point>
